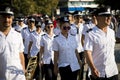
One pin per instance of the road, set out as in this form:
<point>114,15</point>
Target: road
<point>117,57</point>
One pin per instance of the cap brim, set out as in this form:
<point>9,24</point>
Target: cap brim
<point>6,14</point>
<point>105,13</point>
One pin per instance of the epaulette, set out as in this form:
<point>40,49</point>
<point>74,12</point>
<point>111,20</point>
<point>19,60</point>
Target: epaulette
<point>73,34</point>
<point>43,35</point>
<point>89,30</point>
<point>32,31</point>
<point>17,31</point>
<point>24,28</point>
<point>56,36</point>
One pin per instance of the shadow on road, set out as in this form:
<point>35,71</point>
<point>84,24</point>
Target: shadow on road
<point>117,56</point>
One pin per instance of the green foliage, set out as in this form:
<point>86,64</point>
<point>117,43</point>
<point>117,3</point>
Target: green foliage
<point>29,7</point>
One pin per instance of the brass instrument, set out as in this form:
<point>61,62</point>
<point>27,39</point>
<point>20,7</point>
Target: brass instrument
<point>30,70</point>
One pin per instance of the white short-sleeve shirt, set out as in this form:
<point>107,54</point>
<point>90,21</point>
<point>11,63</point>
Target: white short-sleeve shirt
<point>57,31</point>
<point>10,63</point>
<point>78,37</point>
<point>26,35</point>
<point>35,38</point>
<point>46,42</point>
<point>19,28</point>
<point>73,29</point>
<point>66,48</point>
<point>102,46</point>
<point>87,27</point>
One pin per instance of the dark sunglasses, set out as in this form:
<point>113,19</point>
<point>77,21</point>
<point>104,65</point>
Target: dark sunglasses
<point>50,26</point>
<point>38,26</point>
<point>66,27</point>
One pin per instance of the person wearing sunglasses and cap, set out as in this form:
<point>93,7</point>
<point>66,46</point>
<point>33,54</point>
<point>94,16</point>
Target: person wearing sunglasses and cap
<point>99,48</point>
<point>12,66</point>
<point>34,45</point>
<point>46,52</point>
<point>66,56</point>
<point>26,35</point>
<point>20,25</point>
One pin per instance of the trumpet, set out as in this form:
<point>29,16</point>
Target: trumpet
<point>31,67</point>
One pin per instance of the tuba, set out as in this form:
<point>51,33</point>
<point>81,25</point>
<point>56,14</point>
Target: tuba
<point>31,67</point>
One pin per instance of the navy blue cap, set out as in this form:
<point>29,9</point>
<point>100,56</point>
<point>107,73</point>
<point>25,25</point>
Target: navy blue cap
<point>6,10</point>
<point>38,23</point>
<point>64,19</point>
<point>31,18</point>
<point>77,13</point>
<point>68,13</point>
<point>20,18</point>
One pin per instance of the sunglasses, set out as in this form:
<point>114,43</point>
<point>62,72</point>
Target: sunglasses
<point>66,27</point>
<point>50,26</point>
<point>38,26</point>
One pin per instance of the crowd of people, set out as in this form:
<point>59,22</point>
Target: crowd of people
<point>62,45</point>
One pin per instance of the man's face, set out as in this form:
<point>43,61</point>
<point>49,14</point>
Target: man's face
<point>6,21</point>
<point>105,20</point>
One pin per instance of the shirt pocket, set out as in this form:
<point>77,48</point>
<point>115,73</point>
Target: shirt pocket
<point>112,42</point>
<point>99,43</point>
<point>14,46</point>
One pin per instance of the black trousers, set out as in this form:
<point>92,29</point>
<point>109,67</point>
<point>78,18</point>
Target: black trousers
<point>82,57</point>
<point>37,70</point>
<point>115,77</point>
<point>26,60</point>
<point>67,74</point>
<point>48,71</point>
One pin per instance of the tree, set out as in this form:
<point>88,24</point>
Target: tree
<point>46,6</point>
<point>29,7</point>
<point>114,4</point>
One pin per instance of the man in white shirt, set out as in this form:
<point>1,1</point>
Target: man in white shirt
<point>20,25</point>
<point>99,48</point>
<point>26,35</point>
<point>12,65</point>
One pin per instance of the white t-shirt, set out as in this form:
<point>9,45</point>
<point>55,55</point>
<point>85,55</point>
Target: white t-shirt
<point>10,63</point>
